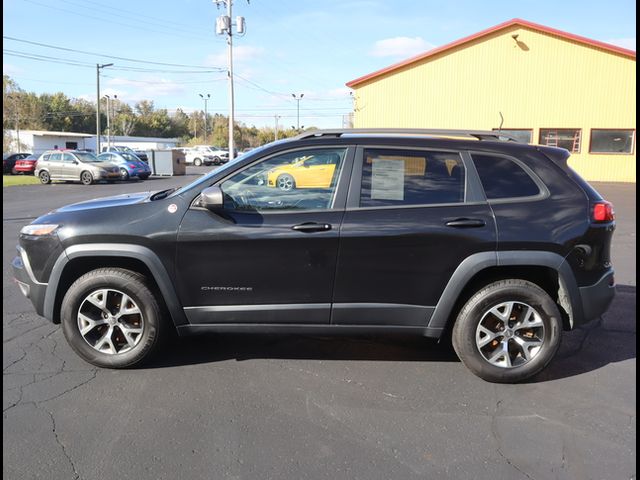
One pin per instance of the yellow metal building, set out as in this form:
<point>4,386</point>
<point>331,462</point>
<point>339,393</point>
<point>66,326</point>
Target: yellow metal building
<point>551,88</point>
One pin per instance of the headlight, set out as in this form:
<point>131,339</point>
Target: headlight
<point>38,230</point>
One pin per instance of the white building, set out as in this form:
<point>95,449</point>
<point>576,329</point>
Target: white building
<point>38,141</point>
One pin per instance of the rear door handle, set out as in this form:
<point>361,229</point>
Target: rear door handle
<point>466,223</point>
<point>311,227</point>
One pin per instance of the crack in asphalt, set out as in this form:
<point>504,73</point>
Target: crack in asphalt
<point>496,437</point>
<point>59,442</point>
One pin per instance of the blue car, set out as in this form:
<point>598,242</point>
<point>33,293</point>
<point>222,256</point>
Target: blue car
<point>129,164</point>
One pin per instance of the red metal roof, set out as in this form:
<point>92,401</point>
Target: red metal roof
<point>516,21</point>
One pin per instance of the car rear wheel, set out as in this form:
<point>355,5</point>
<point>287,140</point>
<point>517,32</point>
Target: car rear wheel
<point>216,160</point>
<point>111,318</point>
<point>124,175</point>
<point>45,178</point>
<point>285,182</point>
<point>197,162</point>
<point>508,331</point>
<point>86,178</point>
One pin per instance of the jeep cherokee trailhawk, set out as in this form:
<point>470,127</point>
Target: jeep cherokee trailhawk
<point>414,231</point>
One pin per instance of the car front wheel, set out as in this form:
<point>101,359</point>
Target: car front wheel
<point>197,162</point>
<point>111,318</point>
<point>508,331</point>
<point>124,175</point>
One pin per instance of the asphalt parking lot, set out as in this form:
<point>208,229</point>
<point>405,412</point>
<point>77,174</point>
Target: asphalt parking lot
<point>301,407</point>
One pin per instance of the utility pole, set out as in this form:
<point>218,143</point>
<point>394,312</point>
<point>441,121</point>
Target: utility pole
<point>276,129</point>
<point>108,122</point>
<point>206,99</point>
<point>15,106</point>
<point>98,67</point>
<point>224,26</point>
<point>297,99</point>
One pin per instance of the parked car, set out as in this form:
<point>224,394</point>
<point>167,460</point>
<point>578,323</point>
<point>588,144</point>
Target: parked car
<point>129,164</point>
<point>9,161</point>
<point>194,157</point>
<point>307,171</point>
<point>420,232</point>
<point>73,165</point>
<point>142,155</point>
<point>26,165</point>
<point>218,154</point>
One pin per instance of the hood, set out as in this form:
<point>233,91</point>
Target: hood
<point>106,202</point>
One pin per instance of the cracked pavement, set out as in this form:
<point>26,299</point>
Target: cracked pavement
<point>301,407</point>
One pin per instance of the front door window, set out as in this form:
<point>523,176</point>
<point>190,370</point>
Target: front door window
<point>300,180</point>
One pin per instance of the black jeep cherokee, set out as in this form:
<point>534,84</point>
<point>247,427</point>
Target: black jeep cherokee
<point>413,231</point>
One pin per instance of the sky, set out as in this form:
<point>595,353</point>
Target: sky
<point>290,47</point>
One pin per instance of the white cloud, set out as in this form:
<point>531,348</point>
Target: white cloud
<point>400,47</point>
<point>629,43</point>
<point>8,69</point>
<point>241,53</point>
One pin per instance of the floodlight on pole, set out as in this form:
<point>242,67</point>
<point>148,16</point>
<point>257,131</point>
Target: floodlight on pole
<point>297,99</point>
<point>206,98</point>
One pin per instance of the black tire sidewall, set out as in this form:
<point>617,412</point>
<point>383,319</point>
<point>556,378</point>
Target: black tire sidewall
<point>117,280</point>
<point>47,176</point>
<point>82,178</point>
<point>465,330</point>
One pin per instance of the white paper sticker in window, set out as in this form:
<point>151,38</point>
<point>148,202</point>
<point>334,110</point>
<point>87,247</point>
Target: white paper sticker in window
<point>387,179</point>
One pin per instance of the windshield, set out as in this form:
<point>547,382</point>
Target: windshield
<point>86,157</point>
<point>227,166</point>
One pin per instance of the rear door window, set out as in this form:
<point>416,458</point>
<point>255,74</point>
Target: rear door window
<point>398,177</point>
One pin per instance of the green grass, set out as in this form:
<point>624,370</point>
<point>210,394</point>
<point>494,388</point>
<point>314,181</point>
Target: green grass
<point>13,180</point>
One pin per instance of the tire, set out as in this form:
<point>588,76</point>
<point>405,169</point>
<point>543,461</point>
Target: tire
<point>145,326</point>
<point>86,178</point>
<point>14,171</point>
<point>197,162</point>
<point>216,160</point>
<point>531,323</point>
<point>124,175</point>
<point>285,182</point>
<point>144,177</point>
<point>45,178</point>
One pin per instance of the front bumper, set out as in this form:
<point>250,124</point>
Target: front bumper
<point>596,298</point>
<point>29,286</point>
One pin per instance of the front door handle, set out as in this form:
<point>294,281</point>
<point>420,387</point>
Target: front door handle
<point>311,227</point>
<point>466,223</point>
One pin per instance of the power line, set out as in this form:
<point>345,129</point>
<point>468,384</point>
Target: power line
<point>136,27</point>
<point>111,56</point>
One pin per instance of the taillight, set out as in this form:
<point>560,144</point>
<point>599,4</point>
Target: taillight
<point>603,212</point>
<point>131,165</point>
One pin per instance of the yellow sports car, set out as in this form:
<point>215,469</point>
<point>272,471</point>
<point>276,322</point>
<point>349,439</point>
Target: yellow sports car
<point>306,172</point>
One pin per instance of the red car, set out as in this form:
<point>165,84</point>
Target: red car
<point>26,165</point>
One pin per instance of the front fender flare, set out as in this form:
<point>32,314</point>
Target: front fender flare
<point>138,252</point>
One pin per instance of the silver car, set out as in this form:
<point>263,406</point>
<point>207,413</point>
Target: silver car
<point>73,165</point>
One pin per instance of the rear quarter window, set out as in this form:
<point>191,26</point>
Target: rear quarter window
<point>503,178</point>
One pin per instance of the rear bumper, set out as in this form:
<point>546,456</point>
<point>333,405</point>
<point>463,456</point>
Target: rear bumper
<point>26,281</point>
<point>24,169</point>
<point>596,298</point>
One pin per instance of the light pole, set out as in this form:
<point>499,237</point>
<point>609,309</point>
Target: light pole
<point>98,67</point>
<point>276,129</point>
<point>297,99</point>
<point>206,99</point>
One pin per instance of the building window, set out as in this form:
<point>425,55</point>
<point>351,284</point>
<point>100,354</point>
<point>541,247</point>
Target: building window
<point>523,135</point>
<point>611,141</point>
<point>568,138</point>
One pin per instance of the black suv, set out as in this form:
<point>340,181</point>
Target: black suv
<point>427,232</point>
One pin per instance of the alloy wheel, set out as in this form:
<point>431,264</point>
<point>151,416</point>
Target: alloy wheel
<point>110,321</point>
<point>510,334</point>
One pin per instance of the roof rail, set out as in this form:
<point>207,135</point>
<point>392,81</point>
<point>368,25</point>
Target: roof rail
<point>477,134</point>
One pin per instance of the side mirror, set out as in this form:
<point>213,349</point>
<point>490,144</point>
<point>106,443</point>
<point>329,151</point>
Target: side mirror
<point>212,198</point>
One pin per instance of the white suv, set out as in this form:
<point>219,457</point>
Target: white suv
<point>218,154</point>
